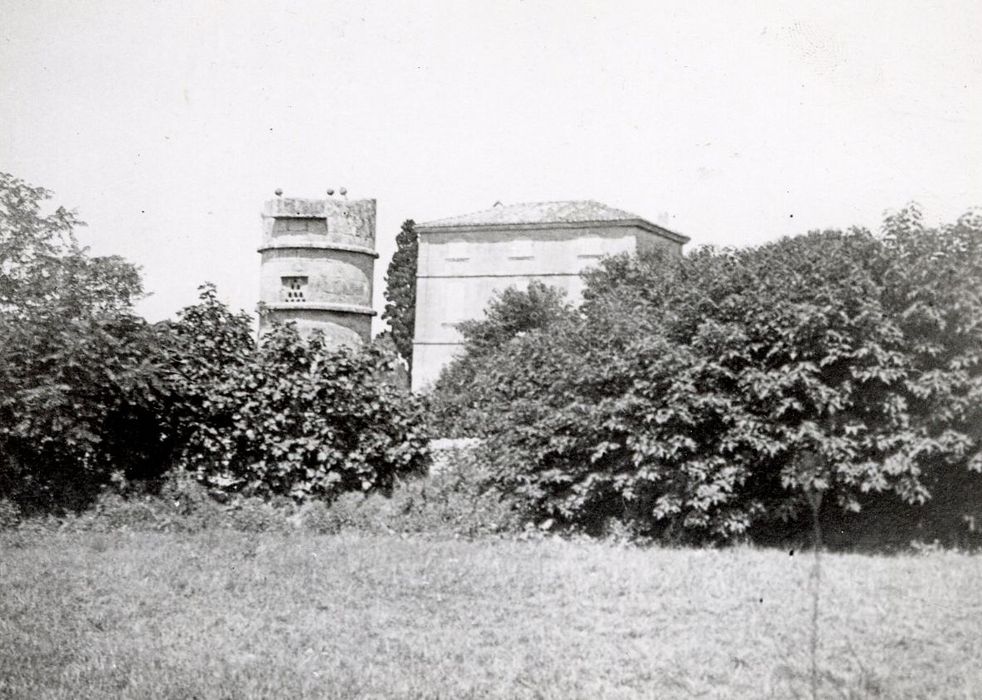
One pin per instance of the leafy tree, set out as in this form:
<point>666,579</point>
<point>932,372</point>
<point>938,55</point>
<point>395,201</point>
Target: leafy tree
<point>935,293</point>
<point>713,396</point>
<point>42,267</point>
<point>512,313</point>
<point>459,402</point>
<point>77,391</point>
<point>400,290</point>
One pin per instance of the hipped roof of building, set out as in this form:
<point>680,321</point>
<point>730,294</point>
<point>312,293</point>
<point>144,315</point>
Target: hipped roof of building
<point>531,215</point>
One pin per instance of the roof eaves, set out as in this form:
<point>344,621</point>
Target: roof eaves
<point>477,228</point>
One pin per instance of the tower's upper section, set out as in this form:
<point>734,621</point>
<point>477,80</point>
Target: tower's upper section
<point>318,257</point>
<point>319,223</point>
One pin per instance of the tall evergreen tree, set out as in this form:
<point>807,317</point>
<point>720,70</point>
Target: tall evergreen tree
<point>400,290</point>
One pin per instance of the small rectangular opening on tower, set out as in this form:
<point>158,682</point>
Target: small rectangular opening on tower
<point>295,226</point>
<point>293,288</point>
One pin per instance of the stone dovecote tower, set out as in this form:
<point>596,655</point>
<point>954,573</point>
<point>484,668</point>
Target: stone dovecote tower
<point>318,257</point>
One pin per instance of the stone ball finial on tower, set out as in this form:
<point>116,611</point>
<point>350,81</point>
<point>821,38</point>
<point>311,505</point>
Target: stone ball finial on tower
<point>343,191</point>
<point>330,191</point>
<point>278,192</point>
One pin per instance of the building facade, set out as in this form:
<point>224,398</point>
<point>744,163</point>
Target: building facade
<point>464,260</point>
<point>318,258</point>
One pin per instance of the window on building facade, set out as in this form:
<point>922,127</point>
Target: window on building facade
<point>457,251</point>
<point>520,250</point>
<point>294,288</point>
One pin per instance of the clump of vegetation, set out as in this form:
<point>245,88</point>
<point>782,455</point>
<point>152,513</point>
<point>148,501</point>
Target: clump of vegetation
<point>297,418</point>
<point>453,503</point>
<point>728,393</point>
<point>455,500</point>
<point>465,395</point>
<point>10,516</point>
<point>834,377</point>
<point>90,393</point>
<point>79,385</point>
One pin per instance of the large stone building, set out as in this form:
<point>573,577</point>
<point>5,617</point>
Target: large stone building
<point>464,260</point>
<point>318,257</point>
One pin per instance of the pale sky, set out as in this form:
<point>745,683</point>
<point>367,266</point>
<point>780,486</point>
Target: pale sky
<point>167,124</point>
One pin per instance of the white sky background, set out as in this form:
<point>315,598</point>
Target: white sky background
<point>167,124</point>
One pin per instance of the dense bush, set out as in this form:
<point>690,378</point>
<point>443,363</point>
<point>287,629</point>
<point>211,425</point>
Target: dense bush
<point>456,502</point>
<point>79,389</point>
<point>717,395</point>
<point>203,349</point>
<point>464,391</point>
<point>300,419</point>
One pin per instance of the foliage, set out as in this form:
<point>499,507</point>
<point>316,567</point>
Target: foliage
<point>299,419</point>
<point>935,286</point>
<point>466,387</point>
<point>400,290</point>
<point>397,372</point>
<point>77,387</point>
<point>42,267</point>
<point>9,514</point>
<point>707,397</point>
<point>455,503</point>
<point>90,394</point>
<point>202,350</point>
<point>180,505</point>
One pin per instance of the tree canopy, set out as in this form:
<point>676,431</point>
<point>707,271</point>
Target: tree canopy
<point>76,386</point>
<point>465,390</point>
<point>705,397</point>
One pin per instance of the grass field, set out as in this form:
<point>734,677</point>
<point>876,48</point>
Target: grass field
<point>230,615</point>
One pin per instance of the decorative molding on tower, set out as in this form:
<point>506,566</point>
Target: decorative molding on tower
<point>318,259</point>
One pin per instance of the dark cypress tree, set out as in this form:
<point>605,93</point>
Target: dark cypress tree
<point>400,290</point>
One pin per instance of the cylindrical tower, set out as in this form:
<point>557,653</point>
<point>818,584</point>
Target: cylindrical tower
<point>318,256</point>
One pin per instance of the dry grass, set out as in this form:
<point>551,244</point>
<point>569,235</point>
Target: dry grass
<point>222,614</point>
